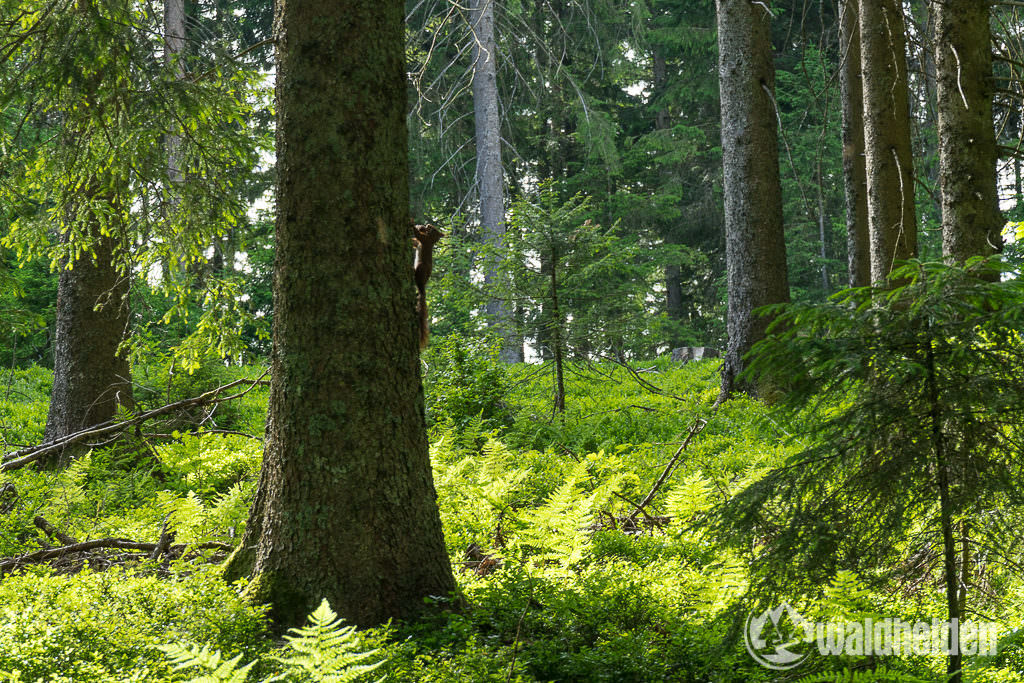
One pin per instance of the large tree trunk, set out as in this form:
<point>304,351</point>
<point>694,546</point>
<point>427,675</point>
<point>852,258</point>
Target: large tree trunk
<point>346,507</point>
<point>890,173</point>
<point>858,237</point>
<point>490,178</point>
<point>755,246</point>
<point>971,221</point>
<point>90,378</point>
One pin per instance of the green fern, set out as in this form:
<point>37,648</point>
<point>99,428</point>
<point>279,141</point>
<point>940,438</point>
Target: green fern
<point>879,675</point>
<point>218,669</point>
<point>231,508</point>
<point>188,513</point>
<point>559,530</point>
<point>325,650</point>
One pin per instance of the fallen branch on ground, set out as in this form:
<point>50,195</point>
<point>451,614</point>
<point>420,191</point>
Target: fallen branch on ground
<point>10,563</point>
<point>54,532</point>
<point>25,456</point>
<point>696,428</point>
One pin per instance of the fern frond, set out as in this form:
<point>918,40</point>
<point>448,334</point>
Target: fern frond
<point>879,675</point>
<point>325,650</point>
<point>558,530</point>
<point>231,508</point>
<point>226,671</point>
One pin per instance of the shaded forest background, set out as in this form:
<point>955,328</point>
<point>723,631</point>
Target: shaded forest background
<point>617,104</point>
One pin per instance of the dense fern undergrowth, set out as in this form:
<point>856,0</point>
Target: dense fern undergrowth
<point>561,579</point>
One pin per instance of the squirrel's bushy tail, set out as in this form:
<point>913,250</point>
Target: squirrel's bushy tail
<point>421,311</point>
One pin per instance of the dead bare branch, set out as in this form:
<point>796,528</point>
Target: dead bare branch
<point>25,456</point>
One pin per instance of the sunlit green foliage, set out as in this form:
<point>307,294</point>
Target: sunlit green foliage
<point>106,626</point>
<point>559,586</point>
<point>324,650</point>
<point>464,381</point>
<point>89,106</point>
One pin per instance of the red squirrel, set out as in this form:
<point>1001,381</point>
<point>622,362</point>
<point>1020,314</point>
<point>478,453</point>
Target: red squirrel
<point>424,239</point>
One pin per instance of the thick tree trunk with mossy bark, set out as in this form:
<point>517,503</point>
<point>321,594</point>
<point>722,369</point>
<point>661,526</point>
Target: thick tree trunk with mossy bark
<point>890,170</point>
<point>346,507</point>
<point>755,247</point>
<point>858,236</point>
<point>90,378</point>
<point>971,221</point>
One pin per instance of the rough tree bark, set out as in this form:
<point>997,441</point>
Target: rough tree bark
<point>755,246</point>
<point>174,48</point>
<point>971,220</point>
<point>890,171</point>
<point>345,506</point>
<point>490,178</point>
<point>858,237</point>
<point>90,378</point>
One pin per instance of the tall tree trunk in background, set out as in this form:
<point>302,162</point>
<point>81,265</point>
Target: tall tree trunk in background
<point>923,107</point>
<point>755,246</point>
<point>174,48</point>
<point>858,238</point>
<point>490,178</point>
<point>674,305</point>
<point>557,340</point>
<point>90,378</point>
<point>345,506</point>
<point>890,173</point>
<point>971,220</point>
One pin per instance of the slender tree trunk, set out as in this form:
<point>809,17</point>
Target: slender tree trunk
<point>674,305</point>
<point>545,333</point>
<point>755,247</point>
<point>674,298</point>
<point>490,179</point>
<point>923,108</point>
<point>826,280</point>
<point>858,239</point>
<point>174,52</point>
<point>90,378</point>
<point>556,338</point>
<point>890,173</point>
<point>346,506</point>
<point>946,512</point>
<point>971,220</point>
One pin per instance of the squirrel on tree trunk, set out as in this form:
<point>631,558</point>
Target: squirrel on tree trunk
<point>424,239</point>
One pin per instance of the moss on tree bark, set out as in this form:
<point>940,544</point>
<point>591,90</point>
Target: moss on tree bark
<point>346,507</point>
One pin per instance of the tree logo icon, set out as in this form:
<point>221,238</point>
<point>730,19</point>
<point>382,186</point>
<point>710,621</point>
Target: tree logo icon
<point>768,644</point>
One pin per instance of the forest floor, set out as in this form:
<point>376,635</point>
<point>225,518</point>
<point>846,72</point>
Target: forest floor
<point>581,542</point>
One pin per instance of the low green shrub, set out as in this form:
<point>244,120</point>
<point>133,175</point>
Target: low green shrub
<point>464,380</point>
<point>108,626</point>
<point>24,401</point>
